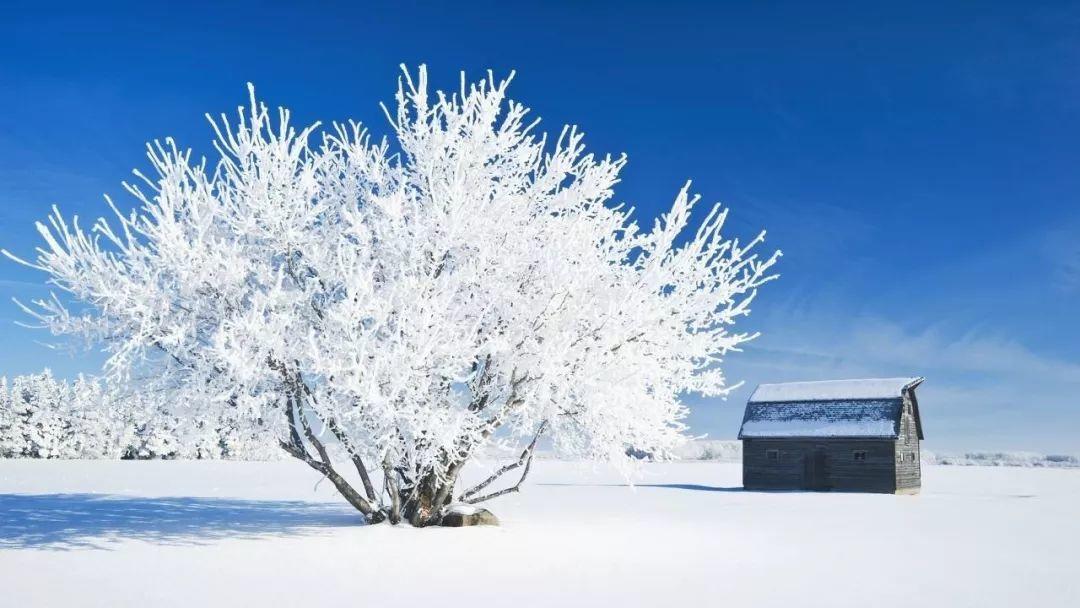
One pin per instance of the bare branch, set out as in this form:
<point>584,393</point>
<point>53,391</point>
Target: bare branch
<point>298,449</point>
<point>358,462</point>
<point>524,460</point>
<point>346,490</point>
<point>343,438</point>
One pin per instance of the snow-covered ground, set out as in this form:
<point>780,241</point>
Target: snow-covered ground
<point>261,534</point>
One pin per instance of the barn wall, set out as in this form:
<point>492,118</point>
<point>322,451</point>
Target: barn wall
<point>842,472</point>
<point>760,474</point>
<point>875,474</point>
<point>908,467</point>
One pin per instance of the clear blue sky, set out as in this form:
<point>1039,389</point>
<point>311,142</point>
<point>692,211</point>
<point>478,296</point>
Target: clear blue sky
<point>917,163</point>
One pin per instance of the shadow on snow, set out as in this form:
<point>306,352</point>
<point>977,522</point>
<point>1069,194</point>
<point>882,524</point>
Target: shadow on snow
<point>94,521</point>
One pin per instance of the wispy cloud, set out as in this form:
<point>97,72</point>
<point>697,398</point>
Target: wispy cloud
<point>1062,250</point>
<point>982,390</point>
<point>871,346</point>
<point>15,284</point>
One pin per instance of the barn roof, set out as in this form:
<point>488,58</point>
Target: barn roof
<point>828,390</point>
<point>869,408</point>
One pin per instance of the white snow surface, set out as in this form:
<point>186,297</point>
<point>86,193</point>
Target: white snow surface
<point>463,509</point>
<point>214,533</point>
<point>867,388</point>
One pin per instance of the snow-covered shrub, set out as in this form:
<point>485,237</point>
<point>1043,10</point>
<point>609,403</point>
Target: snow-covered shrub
<point>711,449</point>
<point>1003,459</point>
<point>408,302</point>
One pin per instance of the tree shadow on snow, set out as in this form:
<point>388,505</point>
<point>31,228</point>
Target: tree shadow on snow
<point>94,521</point>
<point>669,486</point>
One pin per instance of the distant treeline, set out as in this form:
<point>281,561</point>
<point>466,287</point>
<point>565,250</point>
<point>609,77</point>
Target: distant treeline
<point>43,417</point>
<point>718,450</point>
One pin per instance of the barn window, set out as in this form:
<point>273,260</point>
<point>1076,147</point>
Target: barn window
<point>899,457</point>
<point>773,455</point>
<point>859,455</point>
<point>911,456</point>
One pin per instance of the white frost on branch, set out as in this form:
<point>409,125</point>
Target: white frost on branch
<point>410,298</point>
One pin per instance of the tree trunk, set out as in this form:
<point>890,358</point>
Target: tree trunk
<point>423,506</point>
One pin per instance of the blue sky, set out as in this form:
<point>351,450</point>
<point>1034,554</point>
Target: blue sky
<point>915,162</point>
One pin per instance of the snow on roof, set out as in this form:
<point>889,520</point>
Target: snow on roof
<point>828,390</point>
<point>840,418</point>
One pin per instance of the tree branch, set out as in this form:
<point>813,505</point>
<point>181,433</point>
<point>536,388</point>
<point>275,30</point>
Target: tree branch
<point>296,445</point>
<point>339,433</point>
<point>390,483</point>
<point>358,462</point>
<point>627,341</point>
<point>524,460</point>
<point>346,490</point>
<point>298,449</point>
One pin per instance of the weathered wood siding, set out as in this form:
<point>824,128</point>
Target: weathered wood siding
<point>785,474</point>
<point>841,470</point>
<point>908,467</point>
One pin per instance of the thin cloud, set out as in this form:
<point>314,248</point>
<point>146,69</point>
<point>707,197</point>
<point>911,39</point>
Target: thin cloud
<point>14,284</point>
<point>982,390</point>
<point>1062,251</point>
<point>871,344</point>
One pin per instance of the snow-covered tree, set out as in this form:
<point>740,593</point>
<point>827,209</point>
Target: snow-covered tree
<point>42,417</point>
<point>37,428</point>
<point>405,304</point>
<point>94,428</point>
<point>11,438</point>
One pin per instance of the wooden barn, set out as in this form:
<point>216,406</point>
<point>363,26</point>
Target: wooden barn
<point>848,435</point>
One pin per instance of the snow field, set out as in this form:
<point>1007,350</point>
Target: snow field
<point>265,534</point>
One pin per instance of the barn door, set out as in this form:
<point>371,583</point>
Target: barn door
<point>817,469</point>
